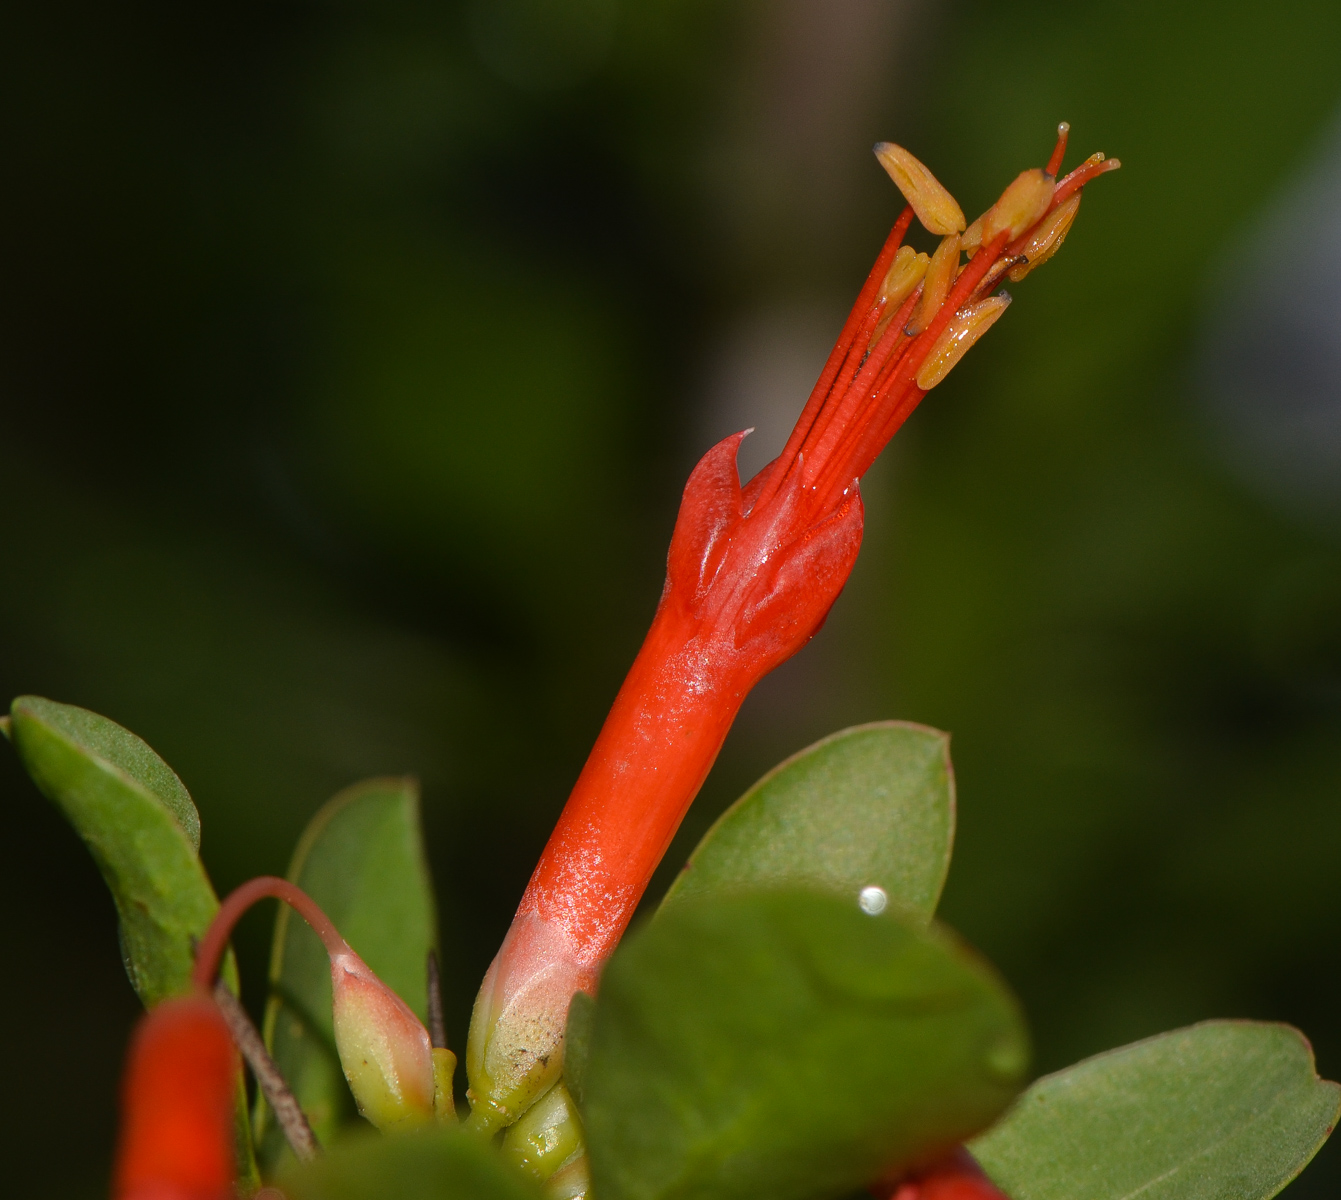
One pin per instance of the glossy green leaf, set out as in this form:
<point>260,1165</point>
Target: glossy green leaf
<point>577,1045</point>
<point>789,1045</point>
<point>432,1165</point>
<point>869,807</point>
<point>142,829</point>
<point>140,826</point>
<point>1226,1110</point>
<point>361,859</point>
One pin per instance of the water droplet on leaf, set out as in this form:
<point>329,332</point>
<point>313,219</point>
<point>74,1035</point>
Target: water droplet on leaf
<point>873,900</point>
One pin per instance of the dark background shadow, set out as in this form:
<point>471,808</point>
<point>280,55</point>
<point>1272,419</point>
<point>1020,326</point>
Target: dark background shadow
<point>351,362</point>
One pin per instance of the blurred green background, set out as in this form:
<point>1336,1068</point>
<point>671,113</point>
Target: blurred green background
<point>353,357</point>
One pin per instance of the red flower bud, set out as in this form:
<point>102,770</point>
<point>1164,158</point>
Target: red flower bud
<point>177,1099</point>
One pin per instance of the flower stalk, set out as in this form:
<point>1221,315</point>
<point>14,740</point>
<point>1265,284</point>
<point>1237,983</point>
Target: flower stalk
<point>397,1077</point>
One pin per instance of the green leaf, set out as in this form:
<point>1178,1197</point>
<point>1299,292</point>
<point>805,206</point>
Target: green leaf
<point>577,1045</point>
<point>432,1165</point>
<point>361,859</point>
<point>140,826</point>
<point>869,807</point>
<point>1226,1110</point>
<point>142,829</point>
<point>789,1045</point>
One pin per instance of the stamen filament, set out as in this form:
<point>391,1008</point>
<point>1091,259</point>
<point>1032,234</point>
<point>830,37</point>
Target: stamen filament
<point>1059,150</point>
<point>1090,169</point>
<point>840,423</point>
<point>857,358</point>
<point>820,393</point>
<point>843,464</point>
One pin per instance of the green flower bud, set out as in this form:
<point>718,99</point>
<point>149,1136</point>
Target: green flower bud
<point>546,1136</point>
<point>384,1049</point>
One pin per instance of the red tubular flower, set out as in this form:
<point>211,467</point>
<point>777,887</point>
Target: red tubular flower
<point>176,1139</point>
<point>751,575</point>
<point>956,1177</point>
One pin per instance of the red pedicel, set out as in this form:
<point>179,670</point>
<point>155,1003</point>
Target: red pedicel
<point>384,1049</point>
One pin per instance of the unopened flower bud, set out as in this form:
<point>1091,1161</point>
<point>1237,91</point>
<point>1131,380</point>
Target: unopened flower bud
<point>1047,239</point>
<point>934,206</point>
<point>177,1101</point>
<point>1021,204</point>
<point>936,283</point>
<point>965,328</point>
<point>444,1071</point>
<point>572,1181</point>
<point>384,1049</point>
<point>546,1136</point>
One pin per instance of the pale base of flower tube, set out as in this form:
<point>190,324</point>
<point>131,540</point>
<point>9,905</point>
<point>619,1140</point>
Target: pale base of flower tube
<point>515,1049</point>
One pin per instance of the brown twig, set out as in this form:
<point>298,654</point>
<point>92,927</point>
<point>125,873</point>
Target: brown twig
<point>288,1112</point>
<point>437,1028</point>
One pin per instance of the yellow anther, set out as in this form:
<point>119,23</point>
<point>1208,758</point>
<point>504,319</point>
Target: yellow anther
<point>936,283</point>
<point>965,328</point>
<point>905,273</point>
<point>1021,204</point>
<point>971,239</point>
<point>1047,239</point>
<point>934,206</point>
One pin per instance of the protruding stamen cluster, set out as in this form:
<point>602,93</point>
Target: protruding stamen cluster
<point>916,317</point>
